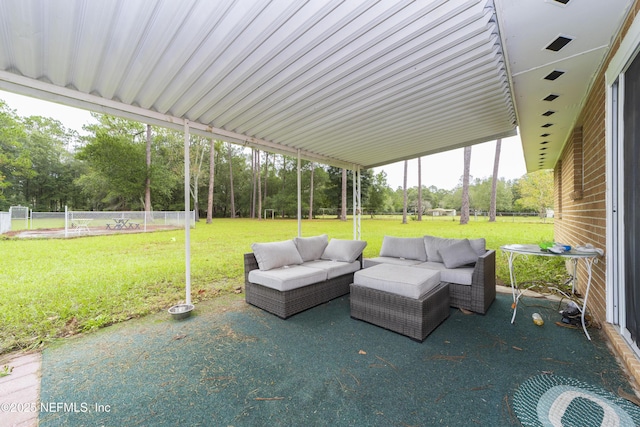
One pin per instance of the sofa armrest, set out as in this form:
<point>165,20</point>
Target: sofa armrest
<point>250,263</point>
<point>483,281</point>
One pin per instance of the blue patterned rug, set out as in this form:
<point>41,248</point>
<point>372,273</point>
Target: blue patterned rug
<point>549,400</point>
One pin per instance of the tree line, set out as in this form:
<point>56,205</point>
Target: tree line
<point>119,164</point>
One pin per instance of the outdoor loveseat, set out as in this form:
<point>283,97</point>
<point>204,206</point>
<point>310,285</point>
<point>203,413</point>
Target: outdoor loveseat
<point>285,278</point>
<point>465,265</point>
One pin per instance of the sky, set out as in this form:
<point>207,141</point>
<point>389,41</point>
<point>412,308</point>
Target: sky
<point>443,170</point>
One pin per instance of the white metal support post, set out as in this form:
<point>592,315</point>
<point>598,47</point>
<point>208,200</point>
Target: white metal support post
<point>359,204</point>
<point>187,219</point>
<point>357,198</point>
<point>353,194</point>
<point>66,221</point>
<point>299,197</point>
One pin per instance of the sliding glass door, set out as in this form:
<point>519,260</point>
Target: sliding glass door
<point>631,197</point>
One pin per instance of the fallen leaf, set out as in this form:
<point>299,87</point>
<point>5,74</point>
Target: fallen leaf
<point>630,397</point>
<point>466,311</point>
<point>179,337</point>
<point>513,306</point>
<point>516,348</point>
<point>362,352</point>
<point>450,358</point>
<point>387,362</point>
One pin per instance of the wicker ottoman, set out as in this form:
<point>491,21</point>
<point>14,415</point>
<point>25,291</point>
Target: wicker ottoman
<point>407,300</point>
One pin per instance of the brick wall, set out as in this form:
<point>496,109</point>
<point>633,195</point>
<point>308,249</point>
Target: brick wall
<point>581,194</point>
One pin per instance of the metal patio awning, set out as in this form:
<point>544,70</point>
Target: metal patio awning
<point>347,83</point>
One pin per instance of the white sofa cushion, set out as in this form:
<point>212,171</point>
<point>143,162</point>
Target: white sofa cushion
<point>433,245</point>
<point>460,276</point>
<point>403,247</point>
<point>311,248</point>
<point>334,268</point>
<point>287,278</point>
<point>370,262</point>
<point>343,250</point>
<point>458,254</point>
<point>398,279</point>
<point>276,254</point>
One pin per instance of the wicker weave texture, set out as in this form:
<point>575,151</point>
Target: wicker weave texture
<point>478,296</point>
<point>287,303</point>
<point>415,318</point>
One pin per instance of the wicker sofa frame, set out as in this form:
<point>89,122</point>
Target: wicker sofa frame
<point>478,296</point>
<point>415,318</point>
<point>287,303</point>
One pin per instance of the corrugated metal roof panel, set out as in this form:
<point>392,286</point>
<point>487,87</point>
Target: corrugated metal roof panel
<point>359,82</point>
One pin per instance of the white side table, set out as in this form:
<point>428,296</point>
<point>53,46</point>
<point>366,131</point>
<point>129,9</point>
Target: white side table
<point>589,257</point>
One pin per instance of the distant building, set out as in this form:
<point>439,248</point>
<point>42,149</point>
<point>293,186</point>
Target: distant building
<point>441,212</point>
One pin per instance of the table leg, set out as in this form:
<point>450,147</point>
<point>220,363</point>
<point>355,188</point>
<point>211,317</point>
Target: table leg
<point>589,262</point>
<point>514,285</point>
<point>574,277</point>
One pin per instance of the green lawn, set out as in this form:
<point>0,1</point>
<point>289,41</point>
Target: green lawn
<point>55,288</point>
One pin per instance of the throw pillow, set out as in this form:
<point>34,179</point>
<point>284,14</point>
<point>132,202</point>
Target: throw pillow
<point>344,250</point>
<point>404,247</point>
<point>311,248</point>
<point>433,245</point>
<point>458,254</point>
<point>276,254</point>
<point>479,245</point>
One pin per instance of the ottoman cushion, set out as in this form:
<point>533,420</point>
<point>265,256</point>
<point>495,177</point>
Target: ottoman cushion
<point>370,262</point>
<point>397,279</point>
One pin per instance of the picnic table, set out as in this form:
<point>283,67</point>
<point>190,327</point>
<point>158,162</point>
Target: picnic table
<point>123,224</point>
<point>120,223</point>
<point>80,224</point>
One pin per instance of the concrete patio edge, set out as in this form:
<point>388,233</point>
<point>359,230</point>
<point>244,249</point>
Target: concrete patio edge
<point>20,391</point>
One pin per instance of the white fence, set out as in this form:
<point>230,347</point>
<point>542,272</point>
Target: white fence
<point>139,219</point>
<point>76,222</point>
<point>5,222</point>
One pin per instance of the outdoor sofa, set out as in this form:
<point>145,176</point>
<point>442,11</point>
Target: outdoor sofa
<point>464,264</point>
<point>285,278</point>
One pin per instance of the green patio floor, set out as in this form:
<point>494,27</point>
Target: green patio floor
<point>246,367</point>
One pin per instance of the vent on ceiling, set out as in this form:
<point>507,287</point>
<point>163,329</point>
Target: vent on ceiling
<point>562,1</point>
<point>548,113</point>
<point>554,75</point>
<point>558,43</point>
<point>547,125</point>
<point>544,142</point>
<point>544,135</point>
<point>550,97</point>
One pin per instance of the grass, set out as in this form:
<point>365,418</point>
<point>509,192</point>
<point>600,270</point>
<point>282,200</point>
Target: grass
<point>60,287</point>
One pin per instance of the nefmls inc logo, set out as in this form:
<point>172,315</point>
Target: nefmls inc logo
<point>73,407</point>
